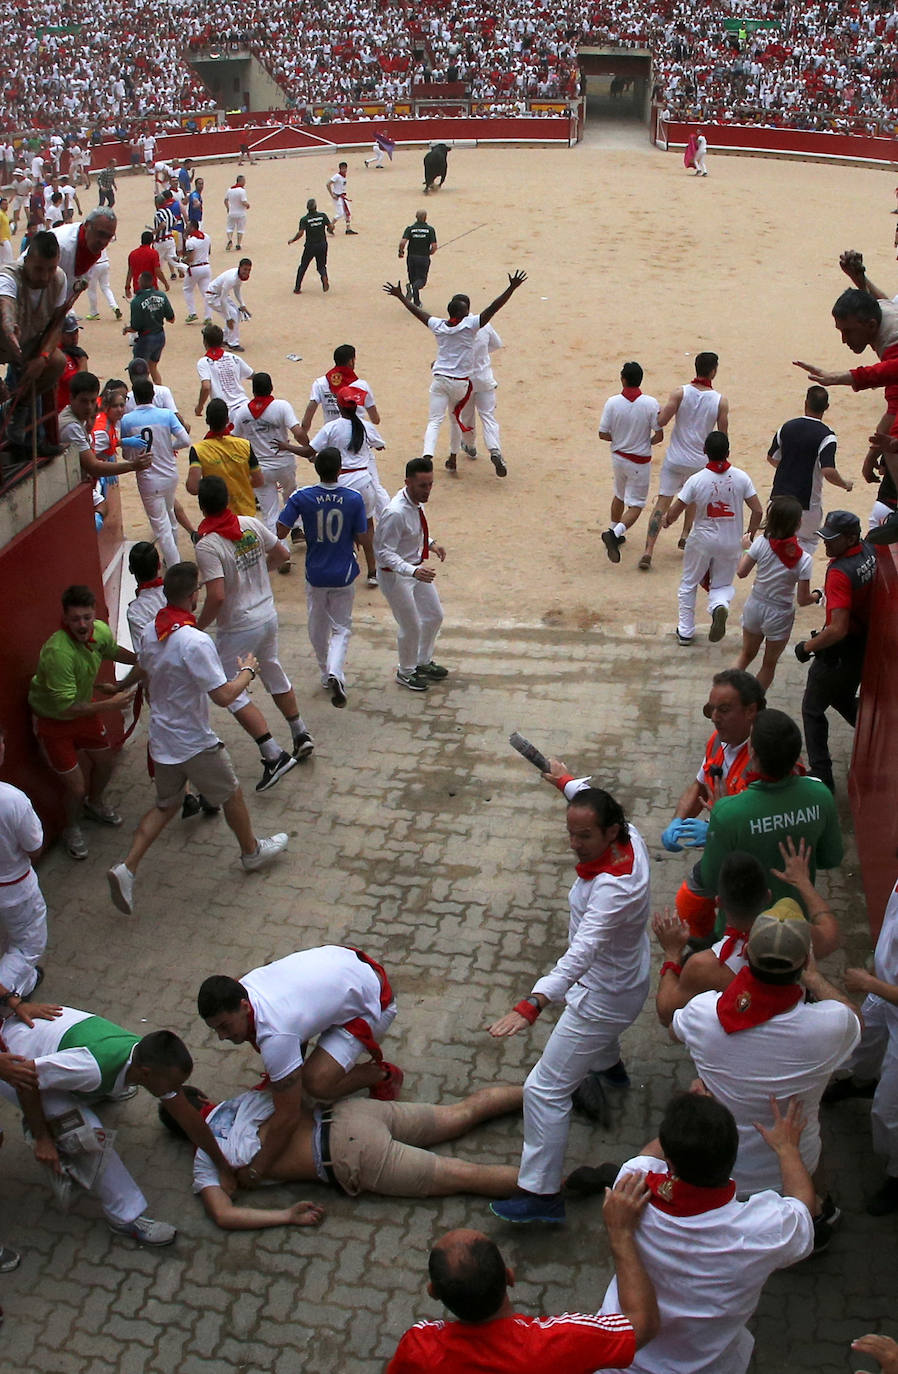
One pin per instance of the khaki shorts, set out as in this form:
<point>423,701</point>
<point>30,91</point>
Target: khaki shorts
<point>210,772</point>
<point>376,1147</point>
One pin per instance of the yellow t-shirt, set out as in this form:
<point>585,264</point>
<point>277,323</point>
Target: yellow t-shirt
<point>234,460</point>
<point>5,231</point>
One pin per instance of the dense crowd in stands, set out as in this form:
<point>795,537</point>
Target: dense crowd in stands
<point>821,64</point>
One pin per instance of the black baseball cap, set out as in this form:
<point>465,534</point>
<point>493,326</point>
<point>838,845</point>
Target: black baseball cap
<point>840,522</point>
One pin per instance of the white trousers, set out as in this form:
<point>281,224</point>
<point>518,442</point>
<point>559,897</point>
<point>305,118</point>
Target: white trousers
<point>115,1189</point>
<point>482,402</point>
<point>230,313</point>
<point>445,393</point>
<point>418,614</point>
<point>235,225</point>
<point>807,535</point>
<point>25,923</point>
<point>168,254</point>
<point>260,639</point>
<point>98,276</point>
<point>159,503</point>
<point>700,555</point>
<point>197,279</point>
<point>330,627</point>
<point>381,495</point>
<point>6,253</point>
<point>877,1054</point>
<point>280,482</point>
<point>578,1045</point>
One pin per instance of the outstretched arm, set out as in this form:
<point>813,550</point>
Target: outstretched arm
<point>397,291</point>
<point>229,1217</point>
<point>515,279</point>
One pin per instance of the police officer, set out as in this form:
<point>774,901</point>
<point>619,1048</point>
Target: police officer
<point>316,226</point>
<point>421,239</point>
<point>837,649</point>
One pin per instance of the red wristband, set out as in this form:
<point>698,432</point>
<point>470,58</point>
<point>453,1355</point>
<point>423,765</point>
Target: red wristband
<point>670,967</point>
<point>562,782</point>
<point>528,1011</point>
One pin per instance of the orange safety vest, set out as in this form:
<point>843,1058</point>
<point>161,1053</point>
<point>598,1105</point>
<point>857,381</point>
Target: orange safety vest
<point>736,780</point>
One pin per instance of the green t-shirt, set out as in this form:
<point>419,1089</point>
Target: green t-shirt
<point>419,238</point>
<point>109,1044</point>
<point>315,224</point>
<point>149,311</point>
<point>67,671</point>
<point>757,819</point>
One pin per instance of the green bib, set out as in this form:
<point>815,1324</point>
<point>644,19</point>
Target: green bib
<point>109,1044</point>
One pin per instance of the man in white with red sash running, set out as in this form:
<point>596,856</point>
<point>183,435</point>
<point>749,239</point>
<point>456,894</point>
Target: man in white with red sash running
<point>760,1039</point>
<point>707,1254</point>
<point>335,993</point>
<point>268,423</point>
<point>236,202</point>
<point>324,393</point>
<point>197,252</point>
<point>630,424</point>
<point>454,364</point>
<point>714,546</point>
<point>603,977</point>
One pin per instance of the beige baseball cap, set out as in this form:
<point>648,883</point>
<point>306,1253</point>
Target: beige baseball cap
<point>780,939</point>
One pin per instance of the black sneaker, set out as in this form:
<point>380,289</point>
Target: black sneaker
<point>303,744</point>
<point>190,806</point>
<point>612,545</point>
<point>589,1180</point>
<point>413,681</point>
<point>207,808</point>
<point>498,463</point>
<point>433,672</point>
<point>337,691</point>
<point>824,1224</point>
<point>842,1088</point>
<point>883,1201</point>
<point>273,770</point>
<point>591,1101</point>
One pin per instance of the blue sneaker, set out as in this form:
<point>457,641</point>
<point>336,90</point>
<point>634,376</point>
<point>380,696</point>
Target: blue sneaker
<point>531,1207</point>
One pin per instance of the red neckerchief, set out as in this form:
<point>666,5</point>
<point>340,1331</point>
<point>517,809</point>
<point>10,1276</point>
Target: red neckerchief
<point>251,1029</point>
<point>617,861</point>
<point>678,1199</point>
<point>425,534</point>
<point>91,640</point>
<point>214,354</point>
<point>631,393</point>
<point>340,376</point>
<point>207,1109</point>
<point>715,466</point>
<point>731,938</point>
<point>748,1002</point>
<point>154,582</point>
<point>225,523</point>
<point>171,618</point>
<point>219,433</point>
<point>788,551</point>
<point>258,405</point>
<point>701,381</point>
<point>84,258</point>
<point>454,320</point>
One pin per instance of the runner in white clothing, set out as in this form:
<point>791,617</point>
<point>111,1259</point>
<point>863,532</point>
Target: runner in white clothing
<point>717,495</point>
<point>221,374</point>
<point>224,296</point>
<point>336,188</point>
<point>630,424</point>
<point>483,400</point>
<point>268,424</point>
<point>324,394</point>
<point>197,251</point>
<point>454,364</point>
<point>236,203</point>
<point>23,911</point>
<point>696,409</point>
<point>334,993</point>
<point>354,438</point>
<point>163,435</point>
<point>707,1254</point>
<point>783,574</point>
<point>603,977</point>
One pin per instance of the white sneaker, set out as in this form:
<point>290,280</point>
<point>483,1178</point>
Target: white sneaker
<point>144,1230</point>
<point>121,888</point>
<point>266,851</point>
<point>74,841</point>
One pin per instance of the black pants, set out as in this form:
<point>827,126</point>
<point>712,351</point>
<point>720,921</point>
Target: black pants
<point>833,681</point>
<point>418,269</point>
<point>319,253</point>
<point>107,197</point>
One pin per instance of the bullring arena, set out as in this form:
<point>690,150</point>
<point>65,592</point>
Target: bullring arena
<point>414,831</point>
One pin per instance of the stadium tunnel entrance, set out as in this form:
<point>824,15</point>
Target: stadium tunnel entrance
<point>616,85</point>
<point>237,79</point>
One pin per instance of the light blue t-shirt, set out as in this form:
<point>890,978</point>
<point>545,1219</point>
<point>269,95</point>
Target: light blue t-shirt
<point>162,433</point>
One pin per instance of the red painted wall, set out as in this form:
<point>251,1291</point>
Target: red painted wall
<point>855,146</point>
<point>873,781</point>
<point>57,550</point>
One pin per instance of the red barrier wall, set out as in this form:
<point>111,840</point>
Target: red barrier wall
<point>56,551</point>
<point>749,138</point>
<point>873,781</point>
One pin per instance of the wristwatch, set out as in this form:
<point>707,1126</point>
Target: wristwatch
<point>247,669</point>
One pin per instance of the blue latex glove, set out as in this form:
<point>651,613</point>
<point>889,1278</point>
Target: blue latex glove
<point>693,832</point>
<point>671,835</point>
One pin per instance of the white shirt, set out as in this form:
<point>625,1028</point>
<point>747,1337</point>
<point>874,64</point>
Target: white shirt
<point>338,434</point>
<point>791,1055</point>
<point>182,670</point>
<point>337,185</point>
<point>225,375</point>
<point>67,234</point>
<point>455,345</point>
<point>21,834</point>
<point>486,341</point>
<point>162,398</point>
<point>321,393</point>
<point>399,535</point>
<point>237,200</point>
<point>719,499</point>
<point>199,248</point>
<point>606,963</point>
<point>696,417</point>
<point>244,568</point>
<point>708,1272</point>
<point>228,283</point>
<point>773,580</point>
<point>235,1125</point>
<point>631,424</point>
<point>9,286</point>
<point>296,998</point>
<point>275,422</point>
<point>144,608</point>
<point>885,956</point>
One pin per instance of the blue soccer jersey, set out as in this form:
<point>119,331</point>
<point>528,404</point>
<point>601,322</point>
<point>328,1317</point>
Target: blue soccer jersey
<point>332,518</point>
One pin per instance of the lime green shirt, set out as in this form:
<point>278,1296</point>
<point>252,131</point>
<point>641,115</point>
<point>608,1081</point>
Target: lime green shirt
<point>67,671</point>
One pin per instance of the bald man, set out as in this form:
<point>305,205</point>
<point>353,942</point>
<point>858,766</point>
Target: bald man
<point>469,1276</point>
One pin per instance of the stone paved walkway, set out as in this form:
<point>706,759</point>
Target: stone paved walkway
<point>416,832</point>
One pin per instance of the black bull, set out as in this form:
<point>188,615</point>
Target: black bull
<point>435,165</point>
